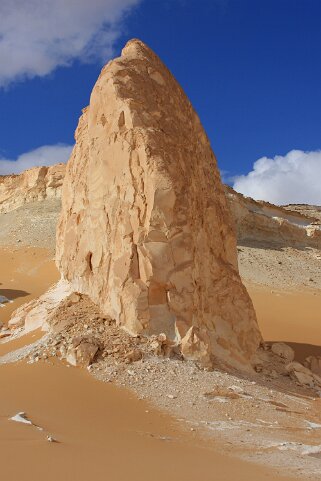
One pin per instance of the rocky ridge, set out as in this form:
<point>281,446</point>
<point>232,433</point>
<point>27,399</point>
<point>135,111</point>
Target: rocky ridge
<point>261,223</point>
<point>256,222</point>
<point>313,211</point>
<point>36,184</point>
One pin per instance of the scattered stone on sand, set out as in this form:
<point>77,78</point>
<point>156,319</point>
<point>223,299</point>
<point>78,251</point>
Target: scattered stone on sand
<point>21,418</point>
<point>82,351</point>
<point>134,355</point>
<point>5,333</point>
<point>249,412</point>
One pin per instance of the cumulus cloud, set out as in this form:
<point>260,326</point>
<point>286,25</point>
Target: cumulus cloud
<point>45,155</point>
<point>289,179</point>
<point>36,36</point>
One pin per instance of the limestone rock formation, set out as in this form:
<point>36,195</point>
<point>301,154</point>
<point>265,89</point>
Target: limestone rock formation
<point>312,211</point>
<point>145,228</point>
<point>38,183</point>
<point>259,222</point>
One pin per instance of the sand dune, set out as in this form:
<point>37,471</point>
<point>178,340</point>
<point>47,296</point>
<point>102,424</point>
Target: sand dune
<point>25,273</point>
<point>104,433</point>
<point>289,316</point>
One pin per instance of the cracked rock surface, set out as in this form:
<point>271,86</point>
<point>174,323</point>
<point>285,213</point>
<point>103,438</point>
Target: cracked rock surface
<point>145,228</point>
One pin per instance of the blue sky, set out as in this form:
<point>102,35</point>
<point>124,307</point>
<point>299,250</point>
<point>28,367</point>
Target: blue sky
<point>252,69</point>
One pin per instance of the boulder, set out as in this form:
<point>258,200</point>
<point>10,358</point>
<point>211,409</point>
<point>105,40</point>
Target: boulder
<point>296,366</point>
<point>314,364</point>
<point>134,356</point>
<point>82,351</point>
<point>303,378</point>
<point>301,374</point>
<point>163,346</point>
<point>283,350</point>
<point>86,352</point>
<point>145,228</point>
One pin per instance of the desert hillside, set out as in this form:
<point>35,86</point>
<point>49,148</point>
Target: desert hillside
<point>30,203</point>
<point>36,184</point>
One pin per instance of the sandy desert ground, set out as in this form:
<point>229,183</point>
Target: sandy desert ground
<point>102,430</point>
<point>171,420</point>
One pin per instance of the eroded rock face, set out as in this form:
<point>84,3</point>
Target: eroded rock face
<point>38,183</point>
<point>145,228</point>
<point>262,223</point>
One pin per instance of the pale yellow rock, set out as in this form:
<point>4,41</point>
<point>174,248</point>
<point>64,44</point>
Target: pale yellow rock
<point>82,351</point>
<point>264,223</point>
<point>145,228</point>
<point>38,183</point>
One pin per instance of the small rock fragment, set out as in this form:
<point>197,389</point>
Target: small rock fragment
<point>134,355</point>
<point>21,418</point>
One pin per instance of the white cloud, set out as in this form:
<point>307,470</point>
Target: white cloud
<point>292,178</point>
<point>36,36</point>
<point>45,155</point>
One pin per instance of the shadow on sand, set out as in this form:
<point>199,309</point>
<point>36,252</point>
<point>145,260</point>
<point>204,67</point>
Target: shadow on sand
<point>12,294</point>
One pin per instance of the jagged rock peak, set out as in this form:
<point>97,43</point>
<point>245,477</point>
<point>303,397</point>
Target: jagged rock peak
<point>145,228</point>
